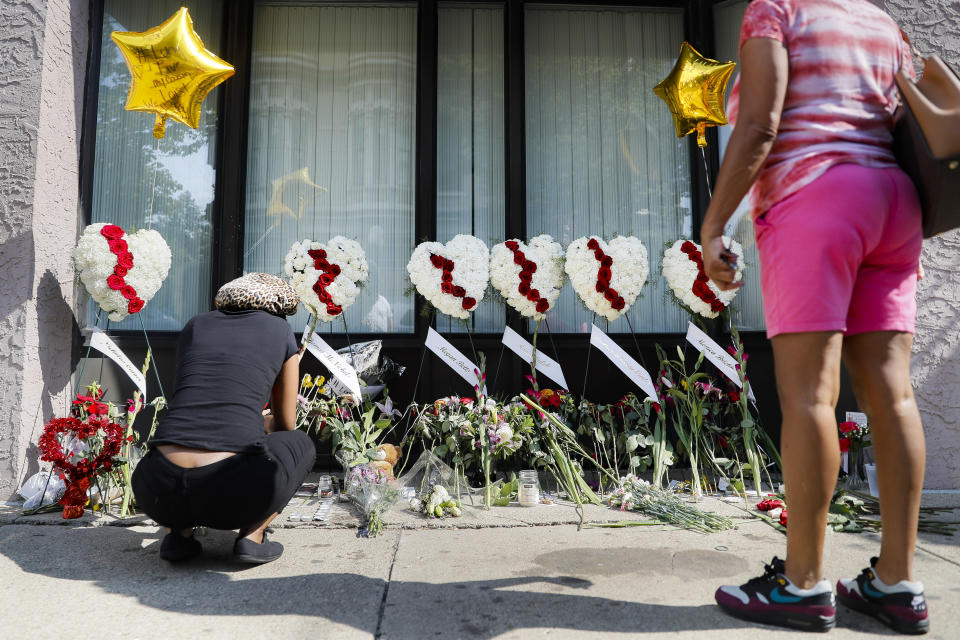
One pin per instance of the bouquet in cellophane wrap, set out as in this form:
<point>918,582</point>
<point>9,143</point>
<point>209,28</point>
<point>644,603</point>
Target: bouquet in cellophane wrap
<point>373,491</point>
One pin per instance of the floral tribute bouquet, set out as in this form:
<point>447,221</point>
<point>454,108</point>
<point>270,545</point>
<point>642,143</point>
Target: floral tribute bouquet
<point>437,504</point>
<point>452,277</point>
<point>683,269</point>
<point>82,447</point>
<point>327,277</point>
<point>528,276</point>
<point>373,491</point>
<point>666,506</point>
<point>608,277</point>
<point>121,272</point>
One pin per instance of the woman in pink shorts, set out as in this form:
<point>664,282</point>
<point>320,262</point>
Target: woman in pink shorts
<point>838,231</point>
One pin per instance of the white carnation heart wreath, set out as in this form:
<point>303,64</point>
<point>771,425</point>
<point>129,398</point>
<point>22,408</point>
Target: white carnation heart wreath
<point>452,277</point>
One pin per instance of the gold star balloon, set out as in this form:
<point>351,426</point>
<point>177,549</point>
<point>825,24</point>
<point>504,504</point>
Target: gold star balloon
<point>694,91</point>
<point>171,71</point>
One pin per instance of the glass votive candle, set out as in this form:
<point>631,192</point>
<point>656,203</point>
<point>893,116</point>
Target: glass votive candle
<point>528,490</point>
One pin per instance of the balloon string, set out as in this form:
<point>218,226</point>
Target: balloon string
<point>706,171</point>
<point>153,189</point>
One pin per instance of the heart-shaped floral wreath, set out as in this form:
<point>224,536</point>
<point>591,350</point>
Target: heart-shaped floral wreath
<point>608,277</point>
<point>327,277</point>
<point>121,272</point>
<point>453,276</point>
<point>683,269</point>
<point>528,276</point>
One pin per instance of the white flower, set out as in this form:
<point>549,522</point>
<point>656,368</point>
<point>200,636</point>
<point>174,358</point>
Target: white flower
<point>682,265</point>
<point>505,432</point>
<point>528,276</point>
<point>328,281</point>
<point>95,263</point>
<point>608,277</point>
<point>452,277</point>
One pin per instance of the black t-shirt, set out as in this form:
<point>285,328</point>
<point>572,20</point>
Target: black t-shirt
<point>227,363</point>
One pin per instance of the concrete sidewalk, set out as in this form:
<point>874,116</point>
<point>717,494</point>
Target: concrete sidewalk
<point>505,573</point>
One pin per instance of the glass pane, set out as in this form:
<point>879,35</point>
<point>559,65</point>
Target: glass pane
<point>602,154</point>
<point>470,152</point>
<point>748,306</point>
<point>167,184</point>
<point>331,146</point>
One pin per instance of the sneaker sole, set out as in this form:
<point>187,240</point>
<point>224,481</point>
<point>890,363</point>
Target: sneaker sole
<point>878,612</point>
<point>778,619</point>
<point>250,559</point>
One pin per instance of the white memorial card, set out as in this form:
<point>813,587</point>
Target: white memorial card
<point>334,362</point>
<point>545,364</point>
<point>624,362</point>
<point>715,354</point>
<point>453,358</point>
<point>102,343</point>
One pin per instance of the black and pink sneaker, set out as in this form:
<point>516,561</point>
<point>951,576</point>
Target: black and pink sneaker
<point>901,607</point>
<point>773,599</point>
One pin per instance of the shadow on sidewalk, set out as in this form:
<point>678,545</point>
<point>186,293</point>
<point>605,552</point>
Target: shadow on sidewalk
<point>124,561</point>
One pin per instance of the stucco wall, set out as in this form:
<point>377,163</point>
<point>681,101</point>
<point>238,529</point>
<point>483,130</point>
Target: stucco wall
<point>934,27</point>
<point>43,60</point>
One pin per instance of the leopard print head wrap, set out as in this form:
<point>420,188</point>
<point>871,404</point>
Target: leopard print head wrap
<point>258,291</point>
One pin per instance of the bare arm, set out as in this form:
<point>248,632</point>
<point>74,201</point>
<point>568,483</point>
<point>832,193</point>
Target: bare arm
<point>283,399</point>
<point>763,85</point>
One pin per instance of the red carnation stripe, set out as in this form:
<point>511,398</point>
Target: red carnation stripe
<point>115,282</point>
<point>135,305</point>
<point>111,231</point>
<point>700,287</point>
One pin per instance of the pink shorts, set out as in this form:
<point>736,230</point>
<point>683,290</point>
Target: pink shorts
<point>841,254</point>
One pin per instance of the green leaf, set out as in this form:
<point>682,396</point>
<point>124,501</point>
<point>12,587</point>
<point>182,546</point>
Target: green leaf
<point>747,423</point>
<point>632,443</point>
<point>440,451</point>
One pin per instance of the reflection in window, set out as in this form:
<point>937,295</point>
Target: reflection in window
<point>140,182</point>
<point>470,139</point>
<point>602,154</point>
<point>331,146</point>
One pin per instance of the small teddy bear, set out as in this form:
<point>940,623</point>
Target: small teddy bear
<point>386,458</point>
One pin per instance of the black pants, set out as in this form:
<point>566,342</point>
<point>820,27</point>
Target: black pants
<point>234,493</point>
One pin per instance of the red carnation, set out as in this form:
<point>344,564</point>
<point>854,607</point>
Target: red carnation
<point>530,266</point>
<point>523,288</point>
<point>526,276</point>
<point>700,289</point>
<point>688,246</point>
<point>317,288</point>
<point>844,445</point>
<point>115,282</point>
<point>610,294</point>
<point>135,305</point>
<point>324,296</point>
<point>446,287</point>
<point>598,254</point>
<point>601,286</point>
<point>459,291</point>
<point>519,259</point>
<point>117,245</point>
<point>716,306</point>
<point>468,303</point>
<point>783,517</point>
<point>128,292</point>
<point>321,264</point>
<point>436,261</point>
<point>325,279</point>
<point>604,274</point>
<point>619,303</point>
<point>447,264</point>
<point>513,245</point>
<point>533,295</point>
<point>446,276</point>
<point>734,396</point>
<point>702,277</point>
<point>847,427</point>
<point>125,260</point>
<point>119,271</point>
<point>542,305</point>
<point>593,244</point>
<point>111,231</point>
<point>334,270</point>
<point>606,261</point>
<point>317,254</point>
<point>334,309</point>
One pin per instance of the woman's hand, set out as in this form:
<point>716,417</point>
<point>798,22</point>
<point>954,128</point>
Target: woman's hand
<point>720,263</point>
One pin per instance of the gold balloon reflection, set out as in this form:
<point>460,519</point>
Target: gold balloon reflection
<point>278,206</point>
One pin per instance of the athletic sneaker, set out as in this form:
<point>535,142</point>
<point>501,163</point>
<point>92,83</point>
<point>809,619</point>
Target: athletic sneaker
<point>901,606</point>
<point>248,551</point>
<point>176,548</point>
<point>773,599</point>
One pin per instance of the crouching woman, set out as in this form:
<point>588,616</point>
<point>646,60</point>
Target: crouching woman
<point>215,459</point>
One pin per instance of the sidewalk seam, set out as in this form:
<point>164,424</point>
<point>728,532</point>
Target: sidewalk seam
<point>937,555</point>
<point>386,588</point>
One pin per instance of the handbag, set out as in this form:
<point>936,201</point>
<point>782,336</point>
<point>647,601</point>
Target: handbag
<point>926,141</point>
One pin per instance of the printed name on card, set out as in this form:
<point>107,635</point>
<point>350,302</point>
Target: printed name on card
<point>545,364</point>
<point>633,369</point>
<point>334,362</point>
<point>453,358</point>
<point>715,354</point>
<point>102,343</point>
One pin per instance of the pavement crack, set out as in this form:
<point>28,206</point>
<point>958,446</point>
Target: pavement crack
<point>937,555</point>
<point>386,588</point>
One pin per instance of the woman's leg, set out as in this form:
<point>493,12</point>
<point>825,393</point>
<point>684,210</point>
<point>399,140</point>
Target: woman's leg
<point>808,380</point>
<point>879,364</point>
<point>255,532</point>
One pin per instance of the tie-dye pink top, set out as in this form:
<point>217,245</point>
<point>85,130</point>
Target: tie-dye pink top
<point>841,93</point>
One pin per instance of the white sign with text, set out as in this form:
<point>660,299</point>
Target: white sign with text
<point>623,360</point>
<point>715,354</point>
<point>338,367</point>
<point>453,358</point>
<point>545,364</point>
<point>102,343</point>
